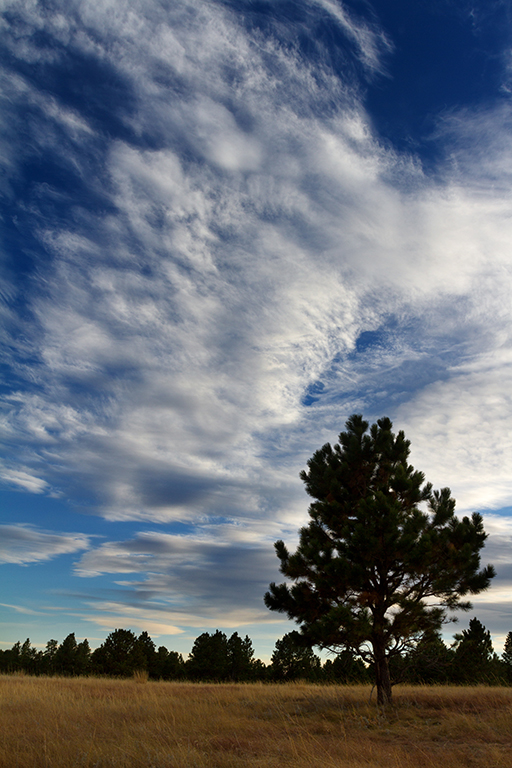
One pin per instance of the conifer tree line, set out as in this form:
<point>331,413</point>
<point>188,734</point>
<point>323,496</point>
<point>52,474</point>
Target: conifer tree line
<point>216,657</point>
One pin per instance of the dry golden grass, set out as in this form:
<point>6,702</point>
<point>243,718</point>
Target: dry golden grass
<point>61,723</point>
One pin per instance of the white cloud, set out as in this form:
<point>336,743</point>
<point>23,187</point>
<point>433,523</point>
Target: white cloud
<point>23,544</point>
<point>23,479</point>
<point>262,266</point>
<point>370,42</point>
<point>114,615</point>
<point>461,432</point>
<point>233,236</point>
<point>163,622</point>
<point>21,609</point>
<point>215,575</point>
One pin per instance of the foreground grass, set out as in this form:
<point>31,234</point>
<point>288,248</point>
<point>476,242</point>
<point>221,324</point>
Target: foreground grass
<point>87,722</point>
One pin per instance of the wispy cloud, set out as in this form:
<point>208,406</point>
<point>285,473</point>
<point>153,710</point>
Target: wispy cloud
<point>160,621</point>
<point>23,544</point>
<point>178,329</point>
<point>23,479</point>
<point>371,42</point>
<point>21,609</point>
<point>219,576</point>
<point>224,262</point>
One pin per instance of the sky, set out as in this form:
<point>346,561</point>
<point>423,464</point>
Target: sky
<point>226,227</point>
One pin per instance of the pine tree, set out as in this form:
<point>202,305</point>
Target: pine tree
<point>430,661</point>
<point>506,657</point>
<point>14,657</point>
<point>48,665</point>
<point>144,653</point>
<point>473,653</point>
<point>240,657</point>
<point>345,668</point>
<point>65,656</point>
<point>28,657</point>
<point>371,559</point>
<point>208,659</point>
<point>117,656</point>
<point>293,660</point>
<point>168,665</point>
<point>83,658</point>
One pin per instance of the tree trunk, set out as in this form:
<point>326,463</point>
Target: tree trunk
<point>382,678</point>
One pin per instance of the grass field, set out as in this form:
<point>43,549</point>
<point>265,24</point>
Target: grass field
<point>86,722</point>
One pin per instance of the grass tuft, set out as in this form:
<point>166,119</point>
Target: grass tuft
<point>141,676</point>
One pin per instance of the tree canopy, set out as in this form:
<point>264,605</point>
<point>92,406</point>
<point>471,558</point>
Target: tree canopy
<point>473,652</point>
<point>469,660</point>
<point>292,659</point>
<point>215,657</point>
<point>383,558</point>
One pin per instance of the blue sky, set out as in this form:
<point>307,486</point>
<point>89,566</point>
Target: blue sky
<point>227,226</point>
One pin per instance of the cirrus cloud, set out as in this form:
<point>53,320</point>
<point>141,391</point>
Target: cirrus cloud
<point>23,544</point>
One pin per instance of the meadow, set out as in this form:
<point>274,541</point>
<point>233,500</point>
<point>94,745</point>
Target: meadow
<point>88,722</point>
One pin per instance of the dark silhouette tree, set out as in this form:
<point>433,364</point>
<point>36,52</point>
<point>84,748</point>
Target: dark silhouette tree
<point>168,665</point>
<point>49,653</point>
<point>65,660</point>
<point>293,660</point>
<point>430,662</point>
<point>83,658</point>
<point>371,560</point>
<point>506,658</point>
<point>208,659</point>
<point>259,670</point>
<point>13,658</point>
<point>345,668</point>
<point>240,657</point>
<point>473,654</point>
<point>28,658</point>
<point>215,657</point>
<point>118,655</point>
<point>144,653</point>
